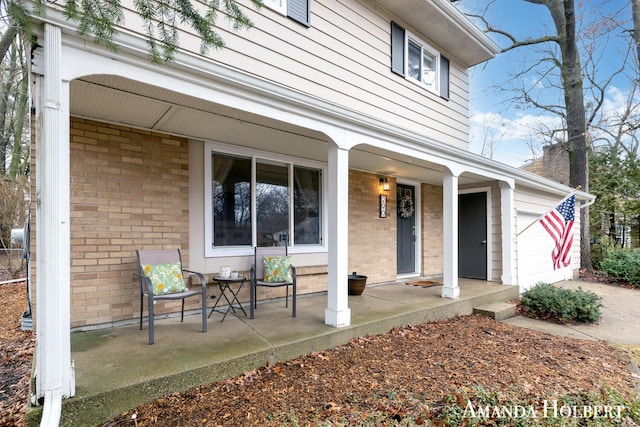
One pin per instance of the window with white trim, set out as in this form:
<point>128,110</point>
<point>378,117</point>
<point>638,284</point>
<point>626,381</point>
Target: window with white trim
<point>297,10</point>
<point>261,199</point>
<point>415,60</point>
<point>422,64</point>
<point>277,5</point>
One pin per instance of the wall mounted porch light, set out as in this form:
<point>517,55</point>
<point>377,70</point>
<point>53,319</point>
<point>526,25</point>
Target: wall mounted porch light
<point>384,183</point>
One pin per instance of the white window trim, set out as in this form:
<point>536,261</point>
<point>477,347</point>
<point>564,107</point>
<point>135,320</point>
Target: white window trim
<point>279,6</point>
<point>410,37</point>
<point>226,251</point>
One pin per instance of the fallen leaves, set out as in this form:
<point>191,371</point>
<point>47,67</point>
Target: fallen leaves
<point>16,355</point>
<point>406,373</point>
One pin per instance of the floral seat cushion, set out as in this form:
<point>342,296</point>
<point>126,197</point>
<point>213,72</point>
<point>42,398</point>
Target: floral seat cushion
<point>277,269</point>
<point>165,278</point>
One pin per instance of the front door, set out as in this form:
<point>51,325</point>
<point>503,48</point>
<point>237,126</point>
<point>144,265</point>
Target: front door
<point>406,220</point>
<point>472,235</point>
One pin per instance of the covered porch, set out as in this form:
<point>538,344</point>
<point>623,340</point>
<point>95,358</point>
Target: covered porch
<point>116,369</point>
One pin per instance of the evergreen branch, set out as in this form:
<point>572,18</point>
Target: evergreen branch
<point>97,18</point>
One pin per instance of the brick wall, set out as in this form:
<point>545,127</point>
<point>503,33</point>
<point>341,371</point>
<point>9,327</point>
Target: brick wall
<point>372,247</point>
<point>129,190</point>
<point>432,230</point>
<point>553,165</point>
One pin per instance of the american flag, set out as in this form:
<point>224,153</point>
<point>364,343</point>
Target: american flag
<point>559,224</point>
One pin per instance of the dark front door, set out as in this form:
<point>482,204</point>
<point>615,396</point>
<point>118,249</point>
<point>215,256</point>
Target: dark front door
<point>472,235</point>
<point>406,238</point>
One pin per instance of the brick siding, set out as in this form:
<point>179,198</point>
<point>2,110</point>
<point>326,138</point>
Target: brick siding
<point>372,248</point>
<point>129,190</point>
<point>432,231</point>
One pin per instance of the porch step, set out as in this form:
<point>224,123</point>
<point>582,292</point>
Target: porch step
<point>496,310</point>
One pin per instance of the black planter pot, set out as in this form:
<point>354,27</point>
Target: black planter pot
<point>357,283</point>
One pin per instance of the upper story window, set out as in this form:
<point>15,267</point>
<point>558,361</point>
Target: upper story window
<point>277,5</point>
<point>297,10</point>
<point>422,64</point>
<point>416,60</point>
<point>258,199</point>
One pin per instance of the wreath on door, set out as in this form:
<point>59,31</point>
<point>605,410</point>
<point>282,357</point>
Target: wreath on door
<point>406,208</point>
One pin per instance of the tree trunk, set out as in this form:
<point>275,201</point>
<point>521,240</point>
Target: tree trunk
<point>20,151</point>
<point>612,227</point>
<point>635,10</point>
<point>563,15</point>
<point>7,39</point>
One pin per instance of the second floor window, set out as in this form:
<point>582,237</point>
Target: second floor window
<point>297,10</point>
<point>415,60</point>
<point>422,65</point>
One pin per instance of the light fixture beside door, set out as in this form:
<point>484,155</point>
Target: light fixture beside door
<point>384,183</point>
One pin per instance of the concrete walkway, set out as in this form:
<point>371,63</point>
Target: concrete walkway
<point>619,323</point>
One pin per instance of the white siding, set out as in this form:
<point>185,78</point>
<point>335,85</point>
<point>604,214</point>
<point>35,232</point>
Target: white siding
<point>343,58</point>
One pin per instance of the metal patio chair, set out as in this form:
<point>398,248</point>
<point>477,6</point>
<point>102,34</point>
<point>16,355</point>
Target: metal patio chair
<point>161,278</point>
<point>262,274</point>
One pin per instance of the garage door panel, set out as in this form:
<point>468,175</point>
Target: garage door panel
<point>534,247</point>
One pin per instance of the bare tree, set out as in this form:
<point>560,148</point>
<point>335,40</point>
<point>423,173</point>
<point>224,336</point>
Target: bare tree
<point>13,212</point>
<point>557,67</point>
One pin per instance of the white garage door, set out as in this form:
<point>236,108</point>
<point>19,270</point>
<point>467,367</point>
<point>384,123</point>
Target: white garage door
<point>534,247</point>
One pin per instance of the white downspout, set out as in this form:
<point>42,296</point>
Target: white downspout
<point>52,409</point>
<point>54,369</point>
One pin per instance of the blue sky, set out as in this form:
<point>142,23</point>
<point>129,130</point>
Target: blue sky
<point>515,129</point>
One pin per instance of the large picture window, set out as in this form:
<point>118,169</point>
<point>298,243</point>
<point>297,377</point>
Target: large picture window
<point>231,185</point>
<point>272,203</point>
<point>306,206</point>
<point>261,200</point>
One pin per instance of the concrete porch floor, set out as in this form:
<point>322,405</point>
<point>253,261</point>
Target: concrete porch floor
<point>117,370</point>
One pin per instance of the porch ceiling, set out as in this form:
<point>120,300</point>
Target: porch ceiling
<point>132,103</point>
<point>136,104</point>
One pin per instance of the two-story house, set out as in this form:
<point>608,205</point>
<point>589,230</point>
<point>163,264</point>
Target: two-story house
<point>289,135</point>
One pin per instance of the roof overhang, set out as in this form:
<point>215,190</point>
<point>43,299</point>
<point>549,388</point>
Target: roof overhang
<point>446,26</point>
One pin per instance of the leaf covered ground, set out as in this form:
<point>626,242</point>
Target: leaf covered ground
<point>418,375</point>
<point>16,354</point>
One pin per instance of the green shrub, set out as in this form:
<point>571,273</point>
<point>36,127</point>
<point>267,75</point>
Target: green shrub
<point>623,265</point>
<point>546,301</point>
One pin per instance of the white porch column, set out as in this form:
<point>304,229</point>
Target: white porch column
<point>337,313</point>
<point>508,237</point>
<point>450,288</point>
<point>55,377</point>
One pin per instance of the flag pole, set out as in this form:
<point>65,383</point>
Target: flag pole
<point>559,203</point>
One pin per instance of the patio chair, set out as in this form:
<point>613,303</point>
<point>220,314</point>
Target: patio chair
<point>161,278</point>
<point>272,268</point>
